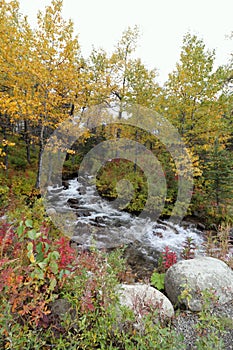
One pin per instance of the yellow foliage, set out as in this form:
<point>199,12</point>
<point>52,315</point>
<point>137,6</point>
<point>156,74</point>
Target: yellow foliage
<point>70,151</point>
<point>2,153</point>
<point>32,258</point>
<point>7,143</point>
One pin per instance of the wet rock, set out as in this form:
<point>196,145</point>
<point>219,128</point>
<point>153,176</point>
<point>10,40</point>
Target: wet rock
<point>99,220</point>
<point>75,244</point>
<point>158,226</point>
<point>165,225</point>
<point>53,198</point>
<point>81,224</point>
<point>83,212</point>
<point>142,261</point>
<point>65,184</point>
<point>69,176</point>
<point>73,203</point>
<point>158,230</point>
<point>200,226</point>
<point>117,223</point>
<point>56,190</point>
<point>158,234</point>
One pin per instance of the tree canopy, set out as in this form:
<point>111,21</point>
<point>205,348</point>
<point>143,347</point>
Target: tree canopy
<point>45,79</point>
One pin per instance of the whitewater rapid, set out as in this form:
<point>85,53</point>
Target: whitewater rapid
<point>95,221</point>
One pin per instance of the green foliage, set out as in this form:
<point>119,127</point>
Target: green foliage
<point>166,260</point>
<point>210,328</point>
<point>193,106</point>
<point>157,280</point>
<point>219,183</point>
<point>119,169</point>
<point>71,164</point>
<point>4,195</point>
<point>189,248</point>
<point>185,295</point>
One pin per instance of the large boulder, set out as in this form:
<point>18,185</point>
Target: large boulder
<point>193,277</point>
<point>142,298</point>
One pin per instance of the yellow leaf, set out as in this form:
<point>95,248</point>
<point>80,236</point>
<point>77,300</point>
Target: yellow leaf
<point>32,258</point>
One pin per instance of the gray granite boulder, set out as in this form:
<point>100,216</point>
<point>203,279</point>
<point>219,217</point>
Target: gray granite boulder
<point>196,276</point>
<point>142,298</point>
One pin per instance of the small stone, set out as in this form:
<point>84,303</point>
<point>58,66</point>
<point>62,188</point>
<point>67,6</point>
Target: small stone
<point>51,211</point>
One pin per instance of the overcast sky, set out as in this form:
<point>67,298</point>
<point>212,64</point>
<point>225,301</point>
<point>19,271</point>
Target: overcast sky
<point>162,23</point>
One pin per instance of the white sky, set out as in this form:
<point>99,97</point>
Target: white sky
<point>162,23</point>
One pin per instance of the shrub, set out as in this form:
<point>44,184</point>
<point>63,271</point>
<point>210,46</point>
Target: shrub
<point>169,258</point>
<point>189,248</point>
<point>36,271</point>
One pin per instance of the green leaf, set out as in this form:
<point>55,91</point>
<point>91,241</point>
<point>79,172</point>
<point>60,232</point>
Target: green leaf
<point>47,246</point>
<point>29,223</point>
<point>20,229</point>
<point>40,253</point>
<point>30,247</point>
<point>32,234</point>
<point>53,284</point>
<point>157,280</point>
<point>42,265</point>
<point>38,273</point>
<point>54,267</point>
<point>39,247</point>
<point>54,255</point>
<point>64,272</point>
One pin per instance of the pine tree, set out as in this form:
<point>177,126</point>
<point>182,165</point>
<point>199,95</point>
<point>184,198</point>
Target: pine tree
<point>219,182</point>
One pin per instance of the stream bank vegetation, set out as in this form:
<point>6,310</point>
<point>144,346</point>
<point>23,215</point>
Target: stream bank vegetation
<point>54,297</point>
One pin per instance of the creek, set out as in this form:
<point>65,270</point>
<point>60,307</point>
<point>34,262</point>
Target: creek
<point>97,222</point>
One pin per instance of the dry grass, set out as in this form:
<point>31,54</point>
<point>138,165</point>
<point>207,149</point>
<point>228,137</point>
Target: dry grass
<point>219,244</point>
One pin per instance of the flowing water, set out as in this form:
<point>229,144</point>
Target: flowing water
<point>95,221</point>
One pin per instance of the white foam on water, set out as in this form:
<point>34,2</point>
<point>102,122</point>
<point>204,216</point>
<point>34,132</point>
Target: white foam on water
<point>121,225</point>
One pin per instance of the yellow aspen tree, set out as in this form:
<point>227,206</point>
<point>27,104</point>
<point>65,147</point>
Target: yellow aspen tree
<point>54,68</point>
<point>12,54</point>
<point>191,101</point>
<point>193,105</point>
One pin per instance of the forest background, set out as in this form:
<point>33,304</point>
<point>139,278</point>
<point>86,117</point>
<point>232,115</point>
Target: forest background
<point>45,80</point>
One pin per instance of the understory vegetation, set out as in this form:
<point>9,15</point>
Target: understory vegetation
<point>53,297</point>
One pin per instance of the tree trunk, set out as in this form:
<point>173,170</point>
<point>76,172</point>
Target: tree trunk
<point>41,148</point>
<point>27,141</point>
<point>136,153</point>
<point>5,150</point>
